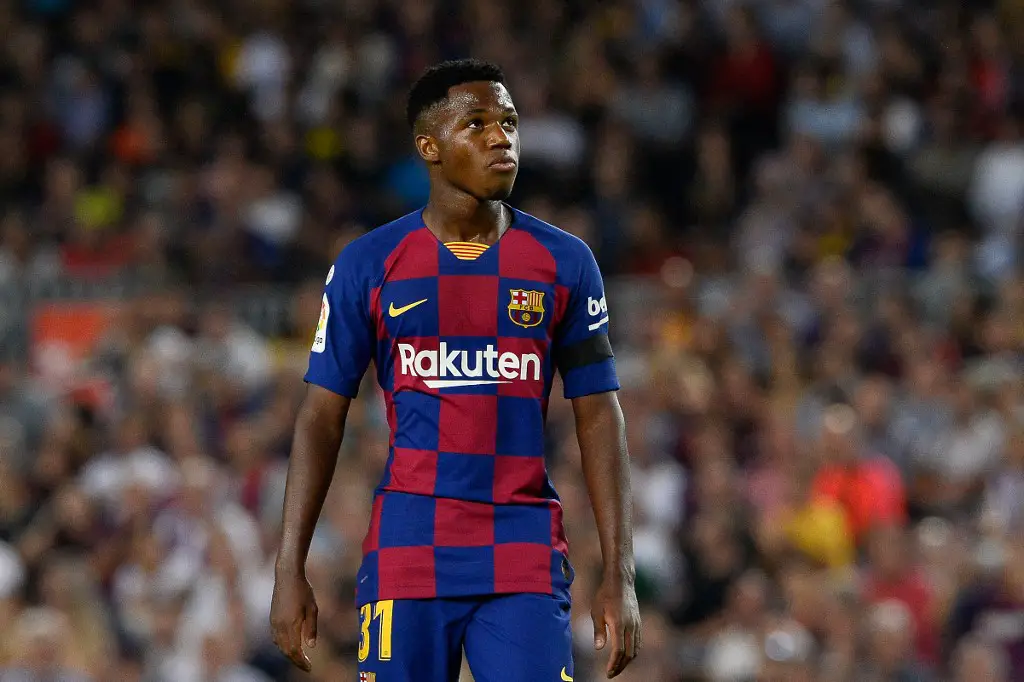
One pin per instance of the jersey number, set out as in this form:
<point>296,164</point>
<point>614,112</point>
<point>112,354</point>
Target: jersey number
<point>384,611</point>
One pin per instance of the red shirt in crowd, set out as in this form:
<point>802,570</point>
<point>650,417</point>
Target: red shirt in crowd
<point>916,594</point>
<point>870,491</point>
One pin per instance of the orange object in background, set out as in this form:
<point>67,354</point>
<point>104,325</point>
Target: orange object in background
<point>63,336</point>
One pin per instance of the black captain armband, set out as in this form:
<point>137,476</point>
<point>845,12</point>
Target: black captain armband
<point>589,351</point>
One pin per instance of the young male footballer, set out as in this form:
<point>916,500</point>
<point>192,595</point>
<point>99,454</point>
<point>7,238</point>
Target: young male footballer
<point>467,308</point>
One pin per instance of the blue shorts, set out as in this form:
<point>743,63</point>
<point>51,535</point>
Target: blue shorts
<point>507,638</point>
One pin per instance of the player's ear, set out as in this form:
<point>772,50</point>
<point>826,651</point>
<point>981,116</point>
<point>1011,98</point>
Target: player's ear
<point>426,145</point>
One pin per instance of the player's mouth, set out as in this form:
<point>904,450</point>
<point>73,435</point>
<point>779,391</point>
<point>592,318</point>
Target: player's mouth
<point>504,164</point>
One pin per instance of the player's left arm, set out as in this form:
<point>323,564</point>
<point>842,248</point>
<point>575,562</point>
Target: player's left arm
<point>601,431</point>
<point>585,360</point>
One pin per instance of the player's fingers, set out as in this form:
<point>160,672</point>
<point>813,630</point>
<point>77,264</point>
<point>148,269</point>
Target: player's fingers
<point>618,648</point>
<point>298,656</point>
<point>599,630</point>
<point>309,627</point>
<point>628,649</point>
<point>295,653</point>
<point>639,638</point>
<point>289,641</point>
<point>629,637</point>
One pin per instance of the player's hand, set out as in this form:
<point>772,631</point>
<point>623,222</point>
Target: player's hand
<point>617,621</point>
<point>293,618</point>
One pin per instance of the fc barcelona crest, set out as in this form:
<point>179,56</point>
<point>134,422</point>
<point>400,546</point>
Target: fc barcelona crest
<point>526,308</point>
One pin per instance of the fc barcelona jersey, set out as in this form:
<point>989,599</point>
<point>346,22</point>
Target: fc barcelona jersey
<point>465,339</point>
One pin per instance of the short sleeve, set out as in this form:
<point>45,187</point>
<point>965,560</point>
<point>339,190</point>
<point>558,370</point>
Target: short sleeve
<point>344,341</point>
<point>583,353</point>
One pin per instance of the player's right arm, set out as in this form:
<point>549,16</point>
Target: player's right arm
<point>318,433</point>
<point>338,359</point>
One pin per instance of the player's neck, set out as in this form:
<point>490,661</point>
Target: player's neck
<point>459,217</point>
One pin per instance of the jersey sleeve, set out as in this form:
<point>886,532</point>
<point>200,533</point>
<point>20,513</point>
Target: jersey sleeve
<point>583,353</point>
<point>345,336</point>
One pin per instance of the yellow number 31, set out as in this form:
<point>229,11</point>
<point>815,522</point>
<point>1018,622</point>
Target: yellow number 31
<point>382,610</point>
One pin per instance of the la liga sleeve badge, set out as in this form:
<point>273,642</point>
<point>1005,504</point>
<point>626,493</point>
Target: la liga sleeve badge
<point>320,339</point>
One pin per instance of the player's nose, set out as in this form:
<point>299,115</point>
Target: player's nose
<point>499,138</point>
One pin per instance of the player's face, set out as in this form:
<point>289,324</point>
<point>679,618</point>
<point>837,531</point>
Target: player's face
<point>478,140</point>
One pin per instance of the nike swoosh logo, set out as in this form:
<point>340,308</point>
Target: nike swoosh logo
<point>395,312</point>
<point>565,676</point>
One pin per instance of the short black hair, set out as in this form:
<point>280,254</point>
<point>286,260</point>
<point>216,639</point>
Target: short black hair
<point>432,87</point>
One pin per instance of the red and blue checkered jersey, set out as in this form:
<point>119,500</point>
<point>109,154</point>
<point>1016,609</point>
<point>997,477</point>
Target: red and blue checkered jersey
<point>465,345</point>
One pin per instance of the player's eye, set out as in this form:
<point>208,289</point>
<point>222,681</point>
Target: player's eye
<point>511,123</point>
<point>475,123</point>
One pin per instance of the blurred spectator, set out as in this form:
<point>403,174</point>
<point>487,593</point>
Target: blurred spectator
<point>788,653</point>
<point>1004,494</point>
<point>976,661</point>
<point>38,649</point>
<point>958,457</point>
<point>734,652</point>
<point>895,580</point>
<point>817,527</point>
<point>867,486</point>
<point>891,657</point>
<point>994,608</point>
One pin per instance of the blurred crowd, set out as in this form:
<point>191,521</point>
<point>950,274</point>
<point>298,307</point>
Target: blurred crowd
<point>808,213</point>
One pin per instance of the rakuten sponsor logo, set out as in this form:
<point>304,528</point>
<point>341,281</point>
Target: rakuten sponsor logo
<point>445,368</point>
